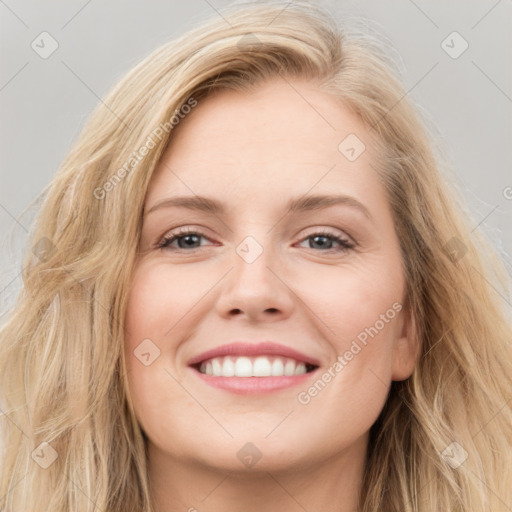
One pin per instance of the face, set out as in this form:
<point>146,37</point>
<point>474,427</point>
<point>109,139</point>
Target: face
<point>274,292</point>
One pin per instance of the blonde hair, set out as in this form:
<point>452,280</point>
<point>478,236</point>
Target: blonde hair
<point>62,372</point>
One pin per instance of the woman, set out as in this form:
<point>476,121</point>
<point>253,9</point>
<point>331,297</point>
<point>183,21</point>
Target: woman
<point>251,288</point>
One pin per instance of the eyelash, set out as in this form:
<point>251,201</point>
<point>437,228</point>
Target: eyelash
<point>171,237</point>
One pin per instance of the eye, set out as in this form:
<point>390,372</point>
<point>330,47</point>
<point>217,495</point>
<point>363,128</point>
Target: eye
<point>324,241</point>
<point>186,238</point>
<point>189,239</point>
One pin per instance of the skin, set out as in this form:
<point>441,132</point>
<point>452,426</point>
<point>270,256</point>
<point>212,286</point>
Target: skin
<point>254,152</point>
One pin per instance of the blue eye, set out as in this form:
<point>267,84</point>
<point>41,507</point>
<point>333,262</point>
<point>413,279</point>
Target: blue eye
<point>188,239</point>
<point>324,239</point>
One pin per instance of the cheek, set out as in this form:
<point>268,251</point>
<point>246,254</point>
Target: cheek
<point>352,298</point>
<point>351,392</point>
<point>160,309</point>
<point>361,307</point>
<point>358,309</point>
<point>155,304</point>
<point>159,297</point>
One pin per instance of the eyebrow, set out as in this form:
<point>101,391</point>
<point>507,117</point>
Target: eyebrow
<point>299,204</point>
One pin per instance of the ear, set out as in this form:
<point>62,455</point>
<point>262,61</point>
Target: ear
<point>406,346</point>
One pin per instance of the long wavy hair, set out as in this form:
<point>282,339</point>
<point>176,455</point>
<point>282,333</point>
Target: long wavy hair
<point>70,439</point>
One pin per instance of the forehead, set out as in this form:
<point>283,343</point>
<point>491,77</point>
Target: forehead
<point>283,137</point>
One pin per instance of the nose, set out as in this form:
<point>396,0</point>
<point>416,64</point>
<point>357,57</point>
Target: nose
<point>257,290</point>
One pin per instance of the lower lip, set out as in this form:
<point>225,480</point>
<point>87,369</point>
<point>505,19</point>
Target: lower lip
<point>253,385</point>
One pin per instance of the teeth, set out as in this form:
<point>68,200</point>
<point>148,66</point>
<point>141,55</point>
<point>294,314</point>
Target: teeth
<point>228,367</point>
<point>260,366</point>
<point>289,367</point>
<point>216,366</point>
<point>278,367</point>
<point>243,367</point>
<point>299,369</point>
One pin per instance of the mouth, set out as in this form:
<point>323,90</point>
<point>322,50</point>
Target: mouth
<point>259,366</point>
<point>253,368</point>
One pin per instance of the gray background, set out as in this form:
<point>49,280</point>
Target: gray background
<point>45,102</point>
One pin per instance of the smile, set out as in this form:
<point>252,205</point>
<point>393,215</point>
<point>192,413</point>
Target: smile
<point>253,368</point>
<point>259,366</point>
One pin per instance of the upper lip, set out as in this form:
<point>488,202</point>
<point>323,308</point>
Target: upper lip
<point>240,348</point>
